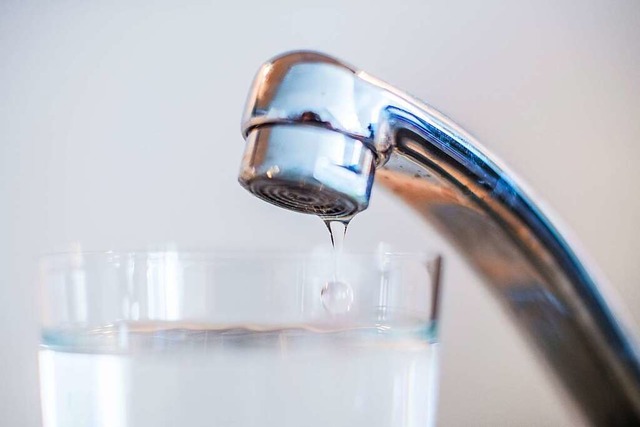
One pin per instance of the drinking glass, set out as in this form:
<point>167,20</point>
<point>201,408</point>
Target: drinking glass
<point>253,339</point>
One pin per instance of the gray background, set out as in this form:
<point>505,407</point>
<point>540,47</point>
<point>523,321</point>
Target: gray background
<point>119,128</point>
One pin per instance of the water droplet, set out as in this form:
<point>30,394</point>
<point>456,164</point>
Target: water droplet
<point>337,297</point>
<point>337,232</point>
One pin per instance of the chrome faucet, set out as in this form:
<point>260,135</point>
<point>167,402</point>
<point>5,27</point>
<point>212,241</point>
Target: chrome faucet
<point>318,131</point>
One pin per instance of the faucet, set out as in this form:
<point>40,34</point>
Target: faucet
<point>319,132</point>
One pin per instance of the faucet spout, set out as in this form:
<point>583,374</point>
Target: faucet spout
<point>320,132</point>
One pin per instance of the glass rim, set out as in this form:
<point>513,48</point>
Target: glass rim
<point>221,255</point>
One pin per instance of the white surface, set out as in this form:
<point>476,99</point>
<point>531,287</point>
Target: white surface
<point>120,129</point>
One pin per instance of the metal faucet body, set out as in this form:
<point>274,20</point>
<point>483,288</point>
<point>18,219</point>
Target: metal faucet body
<point>319,132</point>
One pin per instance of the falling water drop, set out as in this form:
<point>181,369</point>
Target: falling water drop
<point>337,232</point>
<point>337,296</point>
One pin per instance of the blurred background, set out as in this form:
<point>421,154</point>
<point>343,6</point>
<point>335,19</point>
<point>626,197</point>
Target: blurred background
<point>120,130</point>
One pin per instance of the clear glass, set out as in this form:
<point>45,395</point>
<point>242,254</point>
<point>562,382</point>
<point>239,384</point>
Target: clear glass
<point>203,339</point>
